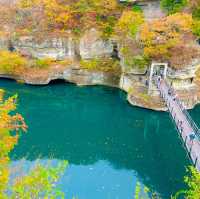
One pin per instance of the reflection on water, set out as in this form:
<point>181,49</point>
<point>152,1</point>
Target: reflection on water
<point>109,144</point>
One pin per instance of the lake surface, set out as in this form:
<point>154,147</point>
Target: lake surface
<point>109,144</point>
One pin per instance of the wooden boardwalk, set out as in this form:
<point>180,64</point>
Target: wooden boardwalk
<point>187,129</point>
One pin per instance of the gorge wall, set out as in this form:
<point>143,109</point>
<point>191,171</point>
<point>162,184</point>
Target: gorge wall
<point>90,46</point>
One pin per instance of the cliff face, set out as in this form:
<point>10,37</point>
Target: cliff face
<point>55,48</point>
<point>91,46</point>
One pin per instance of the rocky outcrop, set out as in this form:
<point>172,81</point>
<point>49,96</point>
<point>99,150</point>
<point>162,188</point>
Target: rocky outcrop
<point>71,74</point>
<point>134,81</point>
<point>187,72</point>
<point>134,85</point>
<point>55,48</point>
<point>151,9</point>
<point>4,43</point>
<point>183,79</point>
<point>93,46</point>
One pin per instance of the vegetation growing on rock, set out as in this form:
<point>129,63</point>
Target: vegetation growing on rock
<point>173,6</point>
<point>139,40</point>
<point>105,65</point>
<point>41,16</point>
<point>11,63</point>
<point>163,39</point>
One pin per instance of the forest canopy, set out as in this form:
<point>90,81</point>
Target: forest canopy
<point>141,40</point>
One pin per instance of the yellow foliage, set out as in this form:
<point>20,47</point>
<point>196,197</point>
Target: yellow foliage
<point>105,65</point>
<point>129,23</point>
<point>8,124</point>
<point>55,12</point>
<point>11,62</point>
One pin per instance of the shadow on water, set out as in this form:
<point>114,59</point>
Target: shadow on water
<point>88,124</point>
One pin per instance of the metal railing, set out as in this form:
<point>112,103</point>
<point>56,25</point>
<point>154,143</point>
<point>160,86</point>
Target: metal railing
<point>189,119</point>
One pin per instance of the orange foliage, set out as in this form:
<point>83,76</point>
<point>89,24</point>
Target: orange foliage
<point>181,55</point>
<point>159,36</point>
<point>56,15</point>
<point>8,123</point>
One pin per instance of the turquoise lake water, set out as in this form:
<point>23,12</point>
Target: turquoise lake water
<point>109,144</point>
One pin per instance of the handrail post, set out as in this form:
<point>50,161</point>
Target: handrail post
<point>185,140</point>
<point>195,163</point>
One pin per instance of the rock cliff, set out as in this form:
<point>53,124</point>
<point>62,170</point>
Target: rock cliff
<point>91,46</point>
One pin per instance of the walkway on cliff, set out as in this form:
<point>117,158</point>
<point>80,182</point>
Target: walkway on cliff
<point>188,130</point>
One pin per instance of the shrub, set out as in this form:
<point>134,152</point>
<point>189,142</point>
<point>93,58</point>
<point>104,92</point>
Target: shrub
<point>43,63</point>
<point>105,65</point>
<point>159,36</point>
<point>192,180</point>
<point>136,8</point>
<point>129,23</point>
<point>139,62</point>
<point>11,62</point>
<point>173,6</point>
<point>196,13</point>
<point>196,27</point>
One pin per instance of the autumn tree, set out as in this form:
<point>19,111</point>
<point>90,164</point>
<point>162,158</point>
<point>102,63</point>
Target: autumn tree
<point>127,29</point>
<point>55,15</point>
<point>129,23</point>
<point>160,36</point>
<point>40,181</point>
<point>8,123</point>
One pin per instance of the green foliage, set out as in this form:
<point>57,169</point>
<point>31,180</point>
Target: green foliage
<point>196,27</point>
<point>137,190</point>
<point>192,181</point>
<point>39,183</point>
<point>142,192</point>
<point>196,13</point>
<point>11,62</point>
<point>107,27</point>
<point>98,64</point>
<point>129,23</point>
<point>43,63</point>
<point>173,6</point>
<point>138,61</point>
<point>196,21</point>
<point>136,8</point>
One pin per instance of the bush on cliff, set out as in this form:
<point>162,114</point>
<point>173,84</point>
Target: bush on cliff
<point>173,6</point>
<point>158,37</point>
<point>61,16</point>
<point>196,27</point>
<point>101,64</point>
<point>129,23</point>
<point>43,63</point>
<point>11,62</point>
